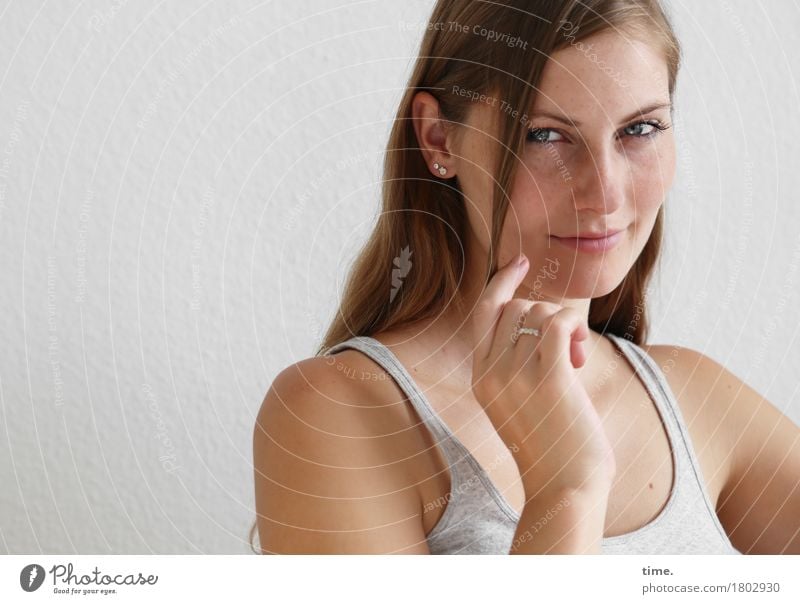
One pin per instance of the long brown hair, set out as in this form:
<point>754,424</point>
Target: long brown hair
<point>428,216</point>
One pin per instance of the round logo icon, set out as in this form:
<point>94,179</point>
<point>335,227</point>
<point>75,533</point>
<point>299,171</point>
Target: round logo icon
<point>31,577</point>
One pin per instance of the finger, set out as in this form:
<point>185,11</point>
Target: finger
<point>499,290</point>
<point>535,312</point>
<point>577,348</point>
<point>512,316</point>
<point>560,331</point>
<point>577,354</point>
<point>526,345</point>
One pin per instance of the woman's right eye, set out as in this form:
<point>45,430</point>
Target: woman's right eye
<point>541,136</point>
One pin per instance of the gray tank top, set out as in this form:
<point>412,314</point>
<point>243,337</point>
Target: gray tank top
<point>477,518</point>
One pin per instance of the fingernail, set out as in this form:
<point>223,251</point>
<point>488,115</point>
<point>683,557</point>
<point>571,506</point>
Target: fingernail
<point>520,260</point>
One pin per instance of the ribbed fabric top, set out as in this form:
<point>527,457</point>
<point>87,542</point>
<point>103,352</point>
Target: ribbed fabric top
<point>478,520</point>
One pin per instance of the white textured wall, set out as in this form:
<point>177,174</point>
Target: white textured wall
<point>183,184</point>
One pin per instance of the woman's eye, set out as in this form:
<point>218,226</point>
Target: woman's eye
<point>643,129</point>
<point>541,136</point>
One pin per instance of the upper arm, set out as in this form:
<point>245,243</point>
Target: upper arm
<point>326,475</point>
<point>759,503</point>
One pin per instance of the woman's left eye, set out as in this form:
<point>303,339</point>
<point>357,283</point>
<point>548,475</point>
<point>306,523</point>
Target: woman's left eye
<point>644,129</point>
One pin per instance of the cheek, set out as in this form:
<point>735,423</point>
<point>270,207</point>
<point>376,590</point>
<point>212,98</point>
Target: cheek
<point>549,163</point>
<point>546,171</point>
<point>536,193</point>
<point>536,184</point>
<point>652,173</point>
<point>528,216</point>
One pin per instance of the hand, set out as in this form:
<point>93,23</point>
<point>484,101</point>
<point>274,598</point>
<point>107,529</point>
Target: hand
<point>530,390</point>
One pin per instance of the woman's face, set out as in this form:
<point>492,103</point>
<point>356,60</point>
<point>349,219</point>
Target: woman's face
<point>608,167</point>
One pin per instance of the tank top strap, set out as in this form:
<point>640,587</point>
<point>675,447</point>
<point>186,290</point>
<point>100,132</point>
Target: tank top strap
<point>384,357</point>
<point>690,490</point>
<point>656,385</point>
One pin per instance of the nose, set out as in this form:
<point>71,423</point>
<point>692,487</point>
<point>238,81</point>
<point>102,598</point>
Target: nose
<point>600,188</point>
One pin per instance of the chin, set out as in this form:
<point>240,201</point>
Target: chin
<point>586,282</point>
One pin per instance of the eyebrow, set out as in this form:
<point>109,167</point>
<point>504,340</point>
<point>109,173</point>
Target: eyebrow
<point>570,122</point>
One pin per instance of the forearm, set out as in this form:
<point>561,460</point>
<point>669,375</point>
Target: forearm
<point>562,521</point>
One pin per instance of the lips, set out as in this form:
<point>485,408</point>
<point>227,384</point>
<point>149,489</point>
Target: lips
<point>600,234</point>
<point>591,241</point>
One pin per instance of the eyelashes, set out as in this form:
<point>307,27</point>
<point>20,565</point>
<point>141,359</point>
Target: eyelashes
<point>657,127</point>
<point>535,135</point>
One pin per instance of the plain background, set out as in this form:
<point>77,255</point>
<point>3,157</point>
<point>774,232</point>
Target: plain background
<point>183,186</point>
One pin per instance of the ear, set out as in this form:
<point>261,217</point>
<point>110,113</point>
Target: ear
<point>431,132</point>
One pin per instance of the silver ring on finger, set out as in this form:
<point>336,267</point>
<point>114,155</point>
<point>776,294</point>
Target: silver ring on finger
<point>525,331</point>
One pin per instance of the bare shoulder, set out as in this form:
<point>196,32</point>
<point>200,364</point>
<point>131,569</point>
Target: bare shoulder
<point>331,474</point>
<point>696,379</point>
<point>686,369</point>
<point>759,499</point>
<point>706,391</point>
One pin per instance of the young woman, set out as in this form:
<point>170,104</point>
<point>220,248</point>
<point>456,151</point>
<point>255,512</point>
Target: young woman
<point>469,403</point>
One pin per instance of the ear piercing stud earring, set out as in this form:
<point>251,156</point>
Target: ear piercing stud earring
<point>442,170</point>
